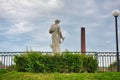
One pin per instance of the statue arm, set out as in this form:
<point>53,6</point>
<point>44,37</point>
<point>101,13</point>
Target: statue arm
<point>51,29</point>
<point>61,36</point>
<point>60,33</point>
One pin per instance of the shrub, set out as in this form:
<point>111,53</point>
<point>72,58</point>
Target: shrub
<point>67,62</point>
<point>21,62</point>
<point>113,66</point>
<point>1,65</point>
<point>2,71</point>
<point>0,62</point>
<point>90,64</point>
<point>73,62</point>
<point>10,68</point>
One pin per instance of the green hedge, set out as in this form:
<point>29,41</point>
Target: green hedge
<point>66,62</point>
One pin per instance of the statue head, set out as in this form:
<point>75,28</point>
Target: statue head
<point>57,21</point>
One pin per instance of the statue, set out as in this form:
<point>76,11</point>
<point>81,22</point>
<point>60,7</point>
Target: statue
<point>56,33</point>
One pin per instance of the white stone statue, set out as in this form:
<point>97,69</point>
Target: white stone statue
<point>56,33</point>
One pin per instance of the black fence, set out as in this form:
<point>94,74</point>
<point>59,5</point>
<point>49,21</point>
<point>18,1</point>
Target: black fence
<point>106,60</point>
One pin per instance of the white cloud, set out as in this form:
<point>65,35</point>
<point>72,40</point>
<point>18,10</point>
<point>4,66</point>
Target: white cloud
<point>90,7</point>
<point>109,34</point>
<point>41,36</point>
<point>65,33</point>
<point>34,17</point>
<point>111,4</point>
<point>44,36</point>
<point>89,12</point>
<point>25,9</point>
<point>90,4</point>
<point>22,27</point>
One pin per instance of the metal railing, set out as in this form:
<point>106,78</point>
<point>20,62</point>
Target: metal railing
<point>106,60</point>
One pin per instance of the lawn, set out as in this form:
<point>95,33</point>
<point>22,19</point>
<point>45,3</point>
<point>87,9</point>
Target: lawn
<point>14,75</point>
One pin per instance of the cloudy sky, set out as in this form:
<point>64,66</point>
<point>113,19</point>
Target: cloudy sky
<point>25,23</point>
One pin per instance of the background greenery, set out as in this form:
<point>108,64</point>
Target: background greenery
<point>67,66</point>
<point>14,75</point>
<point>63,63</point>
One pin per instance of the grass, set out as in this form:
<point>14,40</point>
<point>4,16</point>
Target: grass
<point>14,75</point>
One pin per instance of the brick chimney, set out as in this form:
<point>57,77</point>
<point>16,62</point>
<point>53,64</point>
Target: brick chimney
<point>83,41</point>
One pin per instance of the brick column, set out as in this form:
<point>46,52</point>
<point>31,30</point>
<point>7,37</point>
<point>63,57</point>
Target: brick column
<point>83,41</point>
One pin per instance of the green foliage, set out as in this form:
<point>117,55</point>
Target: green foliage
<point>63,63</point>
<point>73,62</point>
<point>10,68</point>
<point>2,71</point>
<point>21,62</point>
<point>109,76</point>
<point>90,64</point>
<point>0,62</point>
<point>114,64</point>
<point>58,76</point>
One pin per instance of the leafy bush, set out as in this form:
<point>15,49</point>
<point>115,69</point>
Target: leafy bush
<point>74,62</point>
<point>67,62</point>
<point>113,66</point>
<point>21,62</point>
<point>90,64</point>
<point>0,62</point>
<point>10,68</point>
<point>2,71</point>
